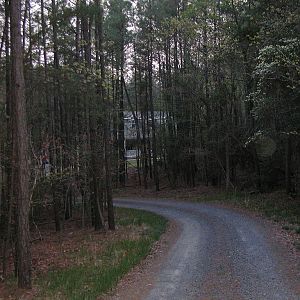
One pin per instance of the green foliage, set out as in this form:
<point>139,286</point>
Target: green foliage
<point>116,24</point>
<point>278,87</point>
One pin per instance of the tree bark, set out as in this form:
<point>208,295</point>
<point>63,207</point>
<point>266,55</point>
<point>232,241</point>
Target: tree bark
<point>227,158</point>
<point>107,144</point>
<point>154,144</point>
<point>288,160</point>
<point>20,138</point>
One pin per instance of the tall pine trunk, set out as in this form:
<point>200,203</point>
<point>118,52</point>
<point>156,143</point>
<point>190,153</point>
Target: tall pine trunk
<point>20,150</point>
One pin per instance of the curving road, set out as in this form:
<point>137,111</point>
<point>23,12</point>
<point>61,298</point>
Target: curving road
<point>219,254</point>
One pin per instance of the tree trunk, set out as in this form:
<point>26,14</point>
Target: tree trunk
<point>227,158</point>
<point>107,144</point>
<point>288,160</point>
<point>20,138</point>
<point>154,146</point>
<point>55,114</point>
<point>7,199</point>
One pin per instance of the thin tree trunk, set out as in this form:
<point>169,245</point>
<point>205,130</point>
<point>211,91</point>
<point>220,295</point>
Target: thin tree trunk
<point>227,158</point>
<point>288,160</point>
<point>137,127</point>
<point>107,144</point>
<point>154,144</point>
<point>138,160</point>
<point>55,115</point>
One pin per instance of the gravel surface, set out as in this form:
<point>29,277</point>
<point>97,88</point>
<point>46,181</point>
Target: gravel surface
<point>219,254</point>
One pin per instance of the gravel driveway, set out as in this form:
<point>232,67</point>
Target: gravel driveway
<point>219,254</point>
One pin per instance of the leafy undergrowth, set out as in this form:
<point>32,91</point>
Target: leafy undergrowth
<point>92,263</point>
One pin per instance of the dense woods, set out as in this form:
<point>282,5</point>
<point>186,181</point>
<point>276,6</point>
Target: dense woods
<point>213,87</point>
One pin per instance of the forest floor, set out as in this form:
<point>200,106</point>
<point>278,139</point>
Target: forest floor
<point>65,262</point>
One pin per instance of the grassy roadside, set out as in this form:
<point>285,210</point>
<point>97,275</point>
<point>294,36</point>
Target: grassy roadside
<point>96,261</point>
<point>96,272</point>
<point>277,206</point>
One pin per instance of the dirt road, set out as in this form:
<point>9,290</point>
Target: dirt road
<point>219,254</point>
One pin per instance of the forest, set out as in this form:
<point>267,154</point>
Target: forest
<point>213,88</point>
